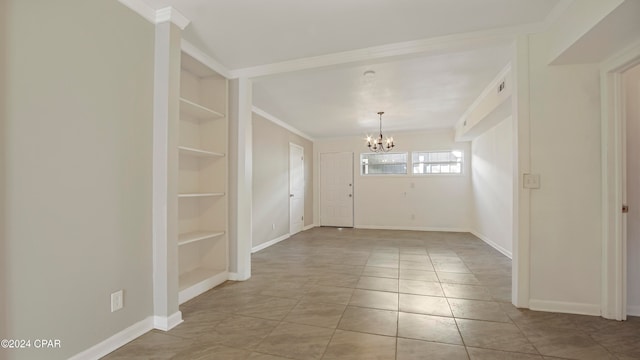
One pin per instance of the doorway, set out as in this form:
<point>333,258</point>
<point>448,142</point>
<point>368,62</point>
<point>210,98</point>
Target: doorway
<point>336,189</point>
<point>620,258</point>
<point>296,188</point>
<point>631,192</point>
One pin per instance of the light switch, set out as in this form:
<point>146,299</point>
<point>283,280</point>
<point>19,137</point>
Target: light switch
<point>531,181</point>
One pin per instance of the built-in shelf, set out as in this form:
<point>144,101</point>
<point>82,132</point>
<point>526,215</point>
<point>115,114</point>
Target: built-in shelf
<point>198,111</point>
<point>198,152</point>
<point>195,236</point>
<point>202,179</point>
<point>196,195</point>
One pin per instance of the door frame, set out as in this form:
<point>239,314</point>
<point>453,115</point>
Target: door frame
<point>614,241</point>
<point>291,230</point>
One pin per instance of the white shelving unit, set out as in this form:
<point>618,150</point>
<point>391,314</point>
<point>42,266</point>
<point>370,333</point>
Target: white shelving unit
<point>202,180</point>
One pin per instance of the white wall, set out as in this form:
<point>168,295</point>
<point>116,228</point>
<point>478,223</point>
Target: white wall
<point>492,182</point>
<point>405,201</point>
<point>632,88</point>
<point>565,238</point>
<point>78,172</point>
<point>271,180</point>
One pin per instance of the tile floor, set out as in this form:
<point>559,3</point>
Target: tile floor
<point>362,294</point>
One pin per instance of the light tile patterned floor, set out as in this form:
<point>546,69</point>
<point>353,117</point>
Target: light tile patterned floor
<point>363,294</point>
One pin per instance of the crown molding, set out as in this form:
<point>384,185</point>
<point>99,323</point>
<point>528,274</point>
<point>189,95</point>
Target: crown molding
<point>156,16</point>
<point>256,110</point>
<point>431,45</point>
<point>171,14</point>
<point>202,57</point>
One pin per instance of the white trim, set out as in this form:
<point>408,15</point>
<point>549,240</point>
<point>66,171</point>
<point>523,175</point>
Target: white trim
<point>491,243</point>
<point>440,44</point>
<point>564,307</point>
<point>156,16</point>
<point>115,341</point>
<point>202,57</point>
<point>171,14</point>
<point>411,228</point>
<point>614,269</point>
<point>265,245</point>
<point>166,323</point>
<point>234,276</point>
<point>202,287</point>
<point>310,226</point>
<point>633,310</point>
<point>141,8</point>
<point>256,110</point>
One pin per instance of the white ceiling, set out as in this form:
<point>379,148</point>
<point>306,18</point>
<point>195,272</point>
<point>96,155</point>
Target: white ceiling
<point>425,90</point>
<point>429,92</point>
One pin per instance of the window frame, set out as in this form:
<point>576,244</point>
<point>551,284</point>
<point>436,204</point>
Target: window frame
<point>462,163</point>
<point>407,163</point>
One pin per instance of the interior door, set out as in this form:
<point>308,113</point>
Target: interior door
<point>336,189</point>
<point>631,190</point>
<point>296,188</point>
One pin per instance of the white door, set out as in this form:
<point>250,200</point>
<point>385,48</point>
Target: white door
<point>296,188</point>
<point>631,196</point>
<point>336,189</point>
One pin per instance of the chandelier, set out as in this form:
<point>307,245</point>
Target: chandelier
<point>380,144</point>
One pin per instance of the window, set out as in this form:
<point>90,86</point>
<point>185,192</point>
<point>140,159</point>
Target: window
<point>383,164</point>
<point>437,162</point>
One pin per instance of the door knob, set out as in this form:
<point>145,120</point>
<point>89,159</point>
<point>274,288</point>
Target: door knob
<point>290,195</point>
<point>350,195</point>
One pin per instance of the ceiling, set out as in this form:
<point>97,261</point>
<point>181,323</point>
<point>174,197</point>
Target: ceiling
<point>417,89</point>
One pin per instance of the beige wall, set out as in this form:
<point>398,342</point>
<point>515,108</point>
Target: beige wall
<point>4,309</point>
<point>271,180</point>
<point>78,172</point>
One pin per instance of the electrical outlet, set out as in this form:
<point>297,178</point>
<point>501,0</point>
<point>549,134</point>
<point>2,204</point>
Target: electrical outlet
<point>117,300</point>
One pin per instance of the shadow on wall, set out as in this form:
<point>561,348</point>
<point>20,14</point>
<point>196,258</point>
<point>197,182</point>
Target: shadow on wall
<point>4,306</point>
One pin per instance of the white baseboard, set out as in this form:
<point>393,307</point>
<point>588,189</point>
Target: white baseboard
<point>269,243</point>
<point>565,307</point>
<point>166,323</point>
<point>504,251</point>
<point>234,276</point>
<point>310,226</point>
<point>114,342</point>
<point>202,287</point>
<point>410,228</point>
<point>633,310</point>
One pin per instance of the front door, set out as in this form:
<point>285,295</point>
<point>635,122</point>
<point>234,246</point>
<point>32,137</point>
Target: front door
<point>336,189</point>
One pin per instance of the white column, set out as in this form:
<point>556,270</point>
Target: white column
<point>165,170</point>
<point>520,277</point>
<point>241,178</point>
